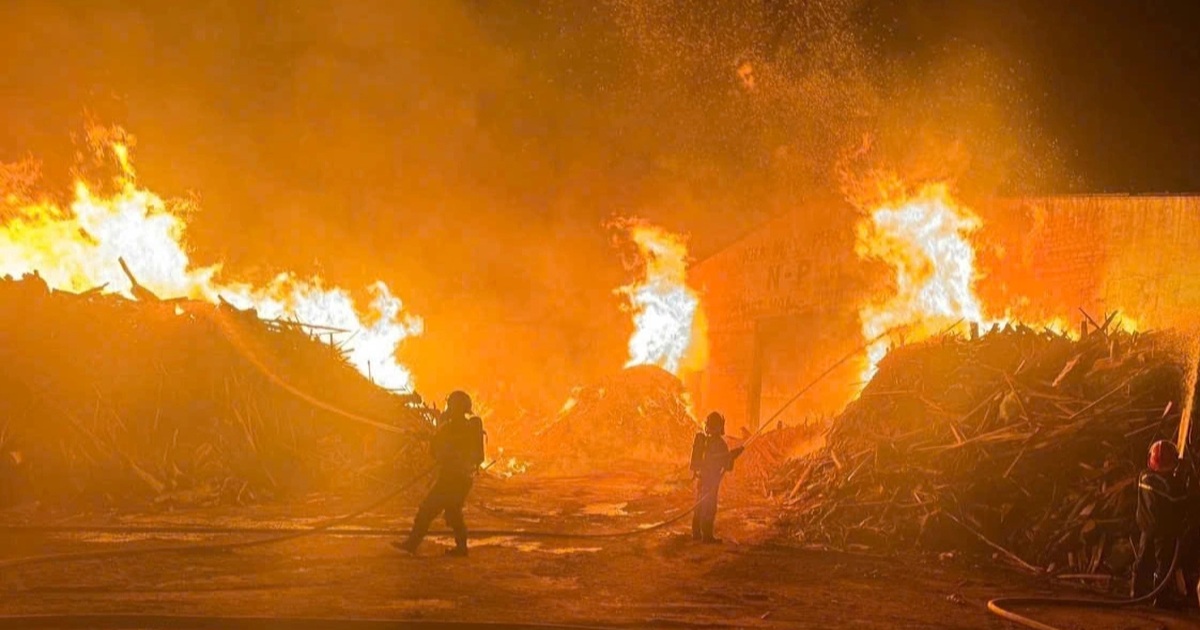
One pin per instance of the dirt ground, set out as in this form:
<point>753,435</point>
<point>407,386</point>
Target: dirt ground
<point>655,579</point>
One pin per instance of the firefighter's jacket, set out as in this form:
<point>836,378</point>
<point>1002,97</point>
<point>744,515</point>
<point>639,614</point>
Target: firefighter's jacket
<point>711,457</point>
<point>451,444</point>
<point>1162,504</point>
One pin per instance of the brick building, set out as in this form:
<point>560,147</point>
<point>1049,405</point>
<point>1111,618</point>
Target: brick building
<point>782,303</point>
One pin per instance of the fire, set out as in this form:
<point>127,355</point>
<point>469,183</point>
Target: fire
<point>79,247</point>
<point>668,321</point>
<point>925,239</point>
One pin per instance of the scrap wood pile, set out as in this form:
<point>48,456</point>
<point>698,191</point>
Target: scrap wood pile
<point>1021,444</point>
<point>772,450</point>
<point>638,416</point>
<point>109,400</point>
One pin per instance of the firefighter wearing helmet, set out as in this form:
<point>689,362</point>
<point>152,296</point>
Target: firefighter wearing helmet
<point>711,459</point>
<point>1161,514</point>
<point>458,447</point>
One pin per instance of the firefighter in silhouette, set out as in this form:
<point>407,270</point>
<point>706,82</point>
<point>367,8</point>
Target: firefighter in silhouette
<point>458,451</point>
<point>1161,516</point>
<point>711,459</point>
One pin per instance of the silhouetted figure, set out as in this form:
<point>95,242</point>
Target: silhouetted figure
<point>1160,515</point>
<point>458,451</point>
<point>711,459</point>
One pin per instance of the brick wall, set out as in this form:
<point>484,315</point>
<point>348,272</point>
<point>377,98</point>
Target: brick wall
<point>782,303</point>
<point>1135,254</point>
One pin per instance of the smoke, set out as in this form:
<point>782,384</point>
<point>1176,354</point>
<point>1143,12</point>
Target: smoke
<point>468,152</point>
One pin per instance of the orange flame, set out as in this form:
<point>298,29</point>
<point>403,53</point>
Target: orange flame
<point>78,248</point>
<point>668,321</point>
<point>925,240</point>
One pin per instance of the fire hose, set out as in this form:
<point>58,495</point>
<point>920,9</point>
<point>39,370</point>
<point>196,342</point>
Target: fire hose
<point>241,343</point>
<point>1000,605</point>
<point>292,534</point>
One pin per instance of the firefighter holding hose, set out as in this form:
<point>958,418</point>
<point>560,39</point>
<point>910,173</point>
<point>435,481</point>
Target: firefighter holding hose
<point>1161,517</point>
<point>458,450</point>
<point>711,459</point>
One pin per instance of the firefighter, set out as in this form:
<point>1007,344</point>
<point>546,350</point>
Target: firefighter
<point>711,459</point>
<point>458,451</point>
<point>1161,518</point>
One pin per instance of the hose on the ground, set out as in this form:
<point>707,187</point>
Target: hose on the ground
<point>1001,606</point>
<point>229,546</point>
<point>332,523</point>
<point>326,527</point>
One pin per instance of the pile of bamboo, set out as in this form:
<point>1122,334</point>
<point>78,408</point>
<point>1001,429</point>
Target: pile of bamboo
<point>109,400</point>
<point>1019,443</point>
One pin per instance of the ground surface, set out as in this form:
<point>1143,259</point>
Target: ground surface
<point>656,579</point>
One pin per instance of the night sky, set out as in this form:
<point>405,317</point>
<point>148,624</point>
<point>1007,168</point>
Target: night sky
<point>468,152</point>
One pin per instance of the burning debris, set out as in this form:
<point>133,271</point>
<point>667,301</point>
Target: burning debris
<point>1026,444</point>
<point>77,248</point>
<point>107,400</point>
<point>638,416</point>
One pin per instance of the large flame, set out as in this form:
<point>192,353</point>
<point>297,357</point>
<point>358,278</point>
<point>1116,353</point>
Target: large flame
<point>668,322</point>
<point>79,248</point>
<point>925,239</point>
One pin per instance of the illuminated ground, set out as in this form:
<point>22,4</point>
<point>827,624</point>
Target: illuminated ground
<point>654,580</point>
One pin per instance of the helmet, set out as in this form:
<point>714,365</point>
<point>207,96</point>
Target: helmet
<point>458,402</point>
<point>714,424</point>
<point>1164,457</point>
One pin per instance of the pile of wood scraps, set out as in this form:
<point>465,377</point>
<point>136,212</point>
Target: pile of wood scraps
<point>106,400</point>
<point>1020,443</point>
<point>640,415</point>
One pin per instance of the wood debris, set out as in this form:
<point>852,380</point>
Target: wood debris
<point>639,415</point>
<point>1021,444</point>
<point>105,400</point>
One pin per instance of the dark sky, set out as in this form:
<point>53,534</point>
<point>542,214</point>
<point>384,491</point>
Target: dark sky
<point>468,152</point>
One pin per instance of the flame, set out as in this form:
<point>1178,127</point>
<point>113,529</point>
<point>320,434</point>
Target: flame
<point>668,321</point>
<point>924,239</point>
<point>78,248</point>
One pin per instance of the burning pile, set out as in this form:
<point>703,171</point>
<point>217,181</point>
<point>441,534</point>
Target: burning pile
<point>638,416</point>
<point>641,415</point>
<point>131,373</point>
<point>112,225</point>
<point>109,400</point>
<point>1026,444</point>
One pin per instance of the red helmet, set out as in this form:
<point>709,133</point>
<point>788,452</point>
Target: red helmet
<point>1164,457</point>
